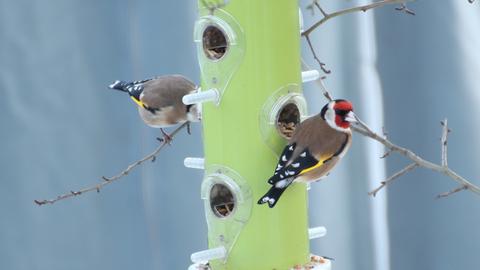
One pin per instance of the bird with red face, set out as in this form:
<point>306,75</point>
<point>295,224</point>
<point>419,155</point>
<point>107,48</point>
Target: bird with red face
<point>316,146</point>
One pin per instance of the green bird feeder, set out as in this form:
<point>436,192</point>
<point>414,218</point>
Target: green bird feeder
<point>251,81</point>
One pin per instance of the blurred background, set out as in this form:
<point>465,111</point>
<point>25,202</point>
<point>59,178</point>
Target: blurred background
<point>62,129</point>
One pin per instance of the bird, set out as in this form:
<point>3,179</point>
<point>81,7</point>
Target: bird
<point>316,146</point>
<point>159,100</point>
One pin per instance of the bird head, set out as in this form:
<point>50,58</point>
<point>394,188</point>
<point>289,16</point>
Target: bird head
<point>339,114</point>
<point>194,112</point>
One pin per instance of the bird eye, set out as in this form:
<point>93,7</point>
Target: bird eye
<point>341,112</point>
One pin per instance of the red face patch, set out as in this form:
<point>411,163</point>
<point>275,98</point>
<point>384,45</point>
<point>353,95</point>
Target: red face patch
<point>343,105</point>
<point>339,121</point>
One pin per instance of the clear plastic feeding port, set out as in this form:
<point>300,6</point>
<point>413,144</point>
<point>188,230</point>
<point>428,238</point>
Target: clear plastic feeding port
<point>215,43</point>
<point>228,204</point>
<point>220,43</point>
<point>287,119</point>
<point>222,200</point>
<point>282,112</point>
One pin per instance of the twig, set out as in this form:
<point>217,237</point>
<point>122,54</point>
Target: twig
<point>320,63</point>
<point>109,180</point>
<point>444,143</point>
<point>448,193</point>
<point>315,2</point>
<point>317,5</point>
<point>390,179</point>
<point>363,129</point>
<point>351,10</point>
<point>327,16</point>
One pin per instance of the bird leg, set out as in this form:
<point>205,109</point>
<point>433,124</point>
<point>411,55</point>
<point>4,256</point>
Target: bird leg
<point>166,137</point>
<point>189,130</point>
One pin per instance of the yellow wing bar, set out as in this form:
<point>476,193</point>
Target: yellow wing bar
<point>319,164</point>
<point>139,103</point>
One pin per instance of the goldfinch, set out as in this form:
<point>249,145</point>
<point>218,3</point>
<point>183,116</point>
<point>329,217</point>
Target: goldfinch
<point>316,146</point>
<point>159,100</point>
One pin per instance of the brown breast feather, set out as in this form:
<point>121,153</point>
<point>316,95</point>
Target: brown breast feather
<point>312,131</point>
<point>166,91</point>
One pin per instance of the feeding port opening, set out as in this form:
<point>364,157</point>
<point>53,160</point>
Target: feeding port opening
<point>215,43</point>
<point>222,200</point>
<point>287,120</point>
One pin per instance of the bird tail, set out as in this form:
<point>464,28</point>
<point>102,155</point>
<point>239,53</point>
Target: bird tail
<point>120,85</point>
<point>272,196</point>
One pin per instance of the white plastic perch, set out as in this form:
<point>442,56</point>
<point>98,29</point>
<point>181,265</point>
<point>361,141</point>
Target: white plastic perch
<point>317,232</point>
<point>300,20</point>
<point>194,163</point>
<point>310,75</point>
<point>202,96</point>
<point>209,254</point>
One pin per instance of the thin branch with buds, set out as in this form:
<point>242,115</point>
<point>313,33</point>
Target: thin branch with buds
<point>320,8</point>
<point>363,129</point>
<point>314,5</point>
<point>108,180</point>
<point>443,168</point>
<point>328,16</point>
<point>320,63</point>
<point>444,143</point>
<point>448,193</point>
<point>390,179</point>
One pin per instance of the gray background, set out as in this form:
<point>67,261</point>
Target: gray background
<point>62,129</point>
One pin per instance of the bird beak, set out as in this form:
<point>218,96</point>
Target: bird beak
<point>351,117</point>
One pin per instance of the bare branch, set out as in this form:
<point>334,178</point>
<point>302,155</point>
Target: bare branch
<point>320,63</point>
<point>448,193</point>
<point>325,14</point>
<point>444,143</point>
<point>390,179</point>
<point>363,129</point>
<point>351,10</point>
<point>109,180</point>
<point>317,5</point>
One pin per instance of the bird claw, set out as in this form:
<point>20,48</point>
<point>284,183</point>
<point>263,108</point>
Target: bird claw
<point>167,138</point>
